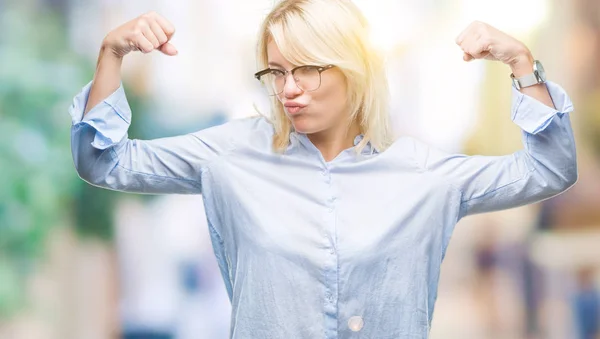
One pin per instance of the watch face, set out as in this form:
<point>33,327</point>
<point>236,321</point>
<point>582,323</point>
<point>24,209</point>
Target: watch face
<point>539,69</point>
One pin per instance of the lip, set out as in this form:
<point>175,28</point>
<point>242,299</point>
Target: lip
<point>293,108</point>
<point>293,104</point>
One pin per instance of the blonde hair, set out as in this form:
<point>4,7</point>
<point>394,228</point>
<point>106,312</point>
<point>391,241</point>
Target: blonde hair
<point>330,32</point>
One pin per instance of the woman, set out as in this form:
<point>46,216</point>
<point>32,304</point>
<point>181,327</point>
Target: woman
<point>323,224</point>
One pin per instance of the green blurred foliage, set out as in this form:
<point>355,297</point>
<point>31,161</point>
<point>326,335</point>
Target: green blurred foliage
<point>39,187</point>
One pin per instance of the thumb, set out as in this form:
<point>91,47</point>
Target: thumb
<point>467,57</point>
<point>168,49</point>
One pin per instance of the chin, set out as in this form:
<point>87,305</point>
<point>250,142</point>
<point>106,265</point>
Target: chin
<point>305,124</point>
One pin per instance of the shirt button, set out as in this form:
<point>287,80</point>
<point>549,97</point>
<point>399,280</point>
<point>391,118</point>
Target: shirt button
<point>323,172</point>
<point>330,209</point>
<point>332,250</point>
<point>356,323</point>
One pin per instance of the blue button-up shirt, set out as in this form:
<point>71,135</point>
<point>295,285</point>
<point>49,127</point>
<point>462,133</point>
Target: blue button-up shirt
<point>349,248</point>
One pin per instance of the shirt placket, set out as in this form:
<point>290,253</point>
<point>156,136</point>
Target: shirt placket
<point>330,255</point>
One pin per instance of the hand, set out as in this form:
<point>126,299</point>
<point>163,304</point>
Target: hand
<point>482,41</point>
<point>145,33</point>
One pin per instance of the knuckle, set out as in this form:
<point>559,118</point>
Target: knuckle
<point>141,23</point>
<point>137,33</point>
<point>170,30</point>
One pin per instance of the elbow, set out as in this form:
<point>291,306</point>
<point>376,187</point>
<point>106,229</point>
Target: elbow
<point>82,170</point>
<point>88,165</point>
<point>85,171</point>
<point>558,175</point>
<point>570,178</point>
<point>94,171</point>
<point>570,175</point>
<point>96,177</point>
<point>87,176</point>
<point>565,179</point>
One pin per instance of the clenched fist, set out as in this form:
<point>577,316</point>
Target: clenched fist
<point>482,41</point>
<point>145,33</point>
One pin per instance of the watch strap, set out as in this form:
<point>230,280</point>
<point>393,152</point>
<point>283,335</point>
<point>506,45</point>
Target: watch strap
<point>528,80</point>
<point>525,81</point>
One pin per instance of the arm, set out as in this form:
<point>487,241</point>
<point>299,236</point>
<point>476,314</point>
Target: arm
<point>103,154</point>
<point>544,168</point>
<point>107,78</point>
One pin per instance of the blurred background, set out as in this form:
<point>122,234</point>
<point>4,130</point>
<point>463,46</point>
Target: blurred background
<point>81,262</point>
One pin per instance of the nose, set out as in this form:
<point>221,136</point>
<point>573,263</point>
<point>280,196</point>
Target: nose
<point>291,89</point>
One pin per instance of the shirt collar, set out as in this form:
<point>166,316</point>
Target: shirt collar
<point>301,139</point>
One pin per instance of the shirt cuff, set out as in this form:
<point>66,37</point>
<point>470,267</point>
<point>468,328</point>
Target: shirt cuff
<point>110,118</point>
<point>532,115</point>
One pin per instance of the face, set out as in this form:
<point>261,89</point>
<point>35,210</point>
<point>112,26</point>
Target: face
<point>323,108</point>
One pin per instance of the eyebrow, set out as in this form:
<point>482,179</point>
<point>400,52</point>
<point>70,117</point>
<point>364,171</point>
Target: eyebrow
<point>275,64</point>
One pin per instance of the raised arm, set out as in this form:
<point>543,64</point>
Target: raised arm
<point>547,164</point>
<point>103,154</point>
<point>545,167</point>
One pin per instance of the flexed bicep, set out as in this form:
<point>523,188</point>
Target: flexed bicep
<point>104,155</point>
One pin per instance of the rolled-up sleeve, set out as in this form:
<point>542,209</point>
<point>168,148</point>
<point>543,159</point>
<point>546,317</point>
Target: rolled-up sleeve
<point>545,167</point>
<point>110,118</point>
<point>533,116</point>
<point>104,156</point>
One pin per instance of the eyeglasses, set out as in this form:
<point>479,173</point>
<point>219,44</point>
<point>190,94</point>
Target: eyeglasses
<point>307,78</point>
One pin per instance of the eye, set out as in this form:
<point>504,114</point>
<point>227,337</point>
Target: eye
<point>307,70</point>
<point>277,73</point>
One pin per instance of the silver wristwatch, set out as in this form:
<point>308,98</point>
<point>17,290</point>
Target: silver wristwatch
<point>537,77</point>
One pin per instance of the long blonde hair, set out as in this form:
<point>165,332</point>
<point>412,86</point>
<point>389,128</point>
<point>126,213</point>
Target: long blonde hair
<point>330,32</point>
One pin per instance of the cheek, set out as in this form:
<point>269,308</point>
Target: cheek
<point>331,102</point>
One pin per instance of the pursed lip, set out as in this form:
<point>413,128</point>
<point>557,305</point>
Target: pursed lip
<point>293,104</point>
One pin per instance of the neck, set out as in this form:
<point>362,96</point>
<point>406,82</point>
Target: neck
<point>333,141</point>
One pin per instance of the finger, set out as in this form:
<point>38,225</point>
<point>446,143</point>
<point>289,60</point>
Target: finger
<point>461,37</point>
<point>158,32</point>
<point>142,44</point>
<point>168,49</point>
<point>479,48</point>
<point>166,26</point>
<point>465,46</point>
<point>149,35</point>
<point>471,47</point>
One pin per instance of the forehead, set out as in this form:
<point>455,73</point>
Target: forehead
<point>275,58</point>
